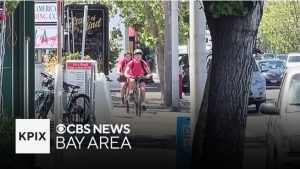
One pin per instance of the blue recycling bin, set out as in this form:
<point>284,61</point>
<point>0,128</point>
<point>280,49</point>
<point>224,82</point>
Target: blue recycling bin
<point>183,143</point>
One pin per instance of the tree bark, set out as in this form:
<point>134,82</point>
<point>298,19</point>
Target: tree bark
<point>233,39</point>
<point>159,48</point>
<point>197,145</point>
<point>160,63</point>
<point>167,97</point>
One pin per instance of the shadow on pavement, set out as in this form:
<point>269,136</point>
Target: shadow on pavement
<point>146,141</point>
<point>273,87</point>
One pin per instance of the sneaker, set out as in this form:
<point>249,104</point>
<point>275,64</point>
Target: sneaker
<point>143,106</point>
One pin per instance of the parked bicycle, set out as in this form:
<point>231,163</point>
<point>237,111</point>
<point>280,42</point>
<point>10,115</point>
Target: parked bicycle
<point>135,97</point>
<point>77,109</point>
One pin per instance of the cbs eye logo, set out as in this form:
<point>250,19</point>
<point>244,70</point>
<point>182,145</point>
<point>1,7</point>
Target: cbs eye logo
<point>32,136</point>
<point>61,129</point>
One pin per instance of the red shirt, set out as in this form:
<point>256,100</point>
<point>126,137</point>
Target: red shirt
<point>136,68</point>
<point>123,62</point>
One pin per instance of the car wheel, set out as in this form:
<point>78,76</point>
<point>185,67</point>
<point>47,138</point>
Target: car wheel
<point>257,107</point>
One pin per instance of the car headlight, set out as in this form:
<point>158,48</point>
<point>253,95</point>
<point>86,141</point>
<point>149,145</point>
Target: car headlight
<point>286,145</point>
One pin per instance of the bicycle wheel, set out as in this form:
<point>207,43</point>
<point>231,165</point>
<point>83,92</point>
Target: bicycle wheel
<point>46,106</point>
<point>126,99</point>
<point>79,109</point>
<point>137,102</point>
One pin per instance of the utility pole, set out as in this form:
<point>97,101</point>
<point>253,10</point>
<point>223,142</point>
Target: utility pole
<point>175,64</point>
<point>197,60</point>
<point>58,82</point>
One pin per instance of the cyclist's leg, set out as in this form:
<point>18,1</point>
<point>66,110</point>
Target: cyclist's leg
<point>123,88</point>
<point>143,94</point>
<point>131,84</point>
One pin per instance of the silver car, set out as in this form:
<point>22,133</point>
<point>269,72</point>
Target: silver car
<point>283,124</point>
<point>258,88</point>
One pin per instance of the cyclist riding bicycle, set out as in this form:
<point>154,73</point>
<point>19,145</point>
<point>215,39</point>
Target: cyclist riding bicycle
<point>120,71</point>
<point>137,68</point>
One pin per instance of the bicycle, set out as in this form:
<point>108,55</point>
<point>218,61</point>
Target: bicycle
<point>135,97</point>
<point>75,112</point>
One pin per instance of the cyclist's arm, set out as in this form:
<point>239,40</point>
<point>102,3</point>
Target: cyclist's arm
<point>147,70</point>
<point>126,73</point>
<point>119,70</point>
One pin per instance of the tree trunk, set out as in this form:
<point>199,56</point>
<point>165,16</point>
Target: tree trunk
<point>197,145</point>
<point>167,97</point>
<point>160,63</point>
<point>233,39</point>
<point>159,48</point>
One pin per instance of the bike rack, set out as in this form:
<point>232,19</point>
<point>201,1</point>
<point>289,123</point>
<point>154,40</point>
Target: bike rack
<point>90,91</point>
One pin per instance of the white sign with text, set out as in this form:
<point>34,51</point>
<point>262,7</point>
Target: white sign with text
<point>45,12</point>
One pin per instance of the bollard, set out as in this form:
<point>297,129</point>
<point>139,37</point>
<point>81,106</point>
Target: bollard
<point>180,86</point>
<point>183,143</point>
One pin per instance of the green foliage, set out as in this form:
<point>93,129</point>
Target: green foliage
<point>11,5</point>
<point>53,60</point>
<point>279,29</point>
<point>147,17</point>
<point>115,47</point>
<point>183,23</point>
<point>75,56</point>
<point>228,8</point>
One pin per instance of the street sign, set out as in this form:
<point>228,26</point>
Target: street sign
<point>45,13</point>
<point>46,37</point>
<point>96,41</point>
<point>183,143</point>
<point>75,72</point>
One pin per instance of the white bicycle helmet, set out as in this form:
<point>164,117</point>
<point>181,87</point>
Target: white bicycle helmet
<point>138,51</point>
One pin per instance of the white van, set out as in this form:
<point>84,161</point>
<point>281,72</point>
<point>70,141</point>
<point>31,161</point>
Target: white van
<point>293,59</point>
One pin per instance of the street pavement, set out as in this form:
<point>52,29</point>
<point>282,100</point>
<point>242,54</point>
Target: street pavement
<point>254,152</point>
<point>153,136</point>
<point>161,122</point>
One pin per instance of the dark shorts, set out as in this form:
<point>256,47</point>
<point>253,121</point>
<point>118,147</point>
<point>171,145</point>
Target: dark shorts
<point>122,79</point>
<point>142,80</point>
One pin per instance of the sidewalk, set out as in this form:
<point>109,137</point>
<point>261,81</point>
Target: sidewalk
<point>152,138</point>
<point>157,121</point>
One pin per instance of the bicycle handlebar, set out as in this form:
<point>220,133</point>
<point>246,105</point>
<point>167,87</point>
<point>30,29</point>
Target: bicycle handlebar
<point>108,79</point>
<point>65,84</point>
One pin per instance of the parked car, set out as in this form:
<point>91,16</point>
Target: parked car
<point>258,88</point>
<point>282,125</point>
<point>293,60</point>
<point>257,56</point>
<point>282,57</point>
<point>272,70</point>
<point>267,56</point>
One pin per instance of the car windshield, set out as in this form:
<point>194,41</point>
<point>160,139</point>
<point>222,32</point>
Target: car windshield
<point>282,57</point>
<point>294,59</point>
<point>272,64</point>
<point>294,95</point>
<point>268,56</point>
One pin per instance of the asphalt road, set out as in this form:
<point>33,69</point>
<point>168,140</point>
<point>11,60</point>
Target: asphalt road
<point>254,152</point>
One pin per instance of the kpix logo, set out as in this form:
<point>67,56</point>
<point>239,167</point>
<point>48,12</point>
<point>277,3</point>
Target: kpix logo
<point>32,136</point>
